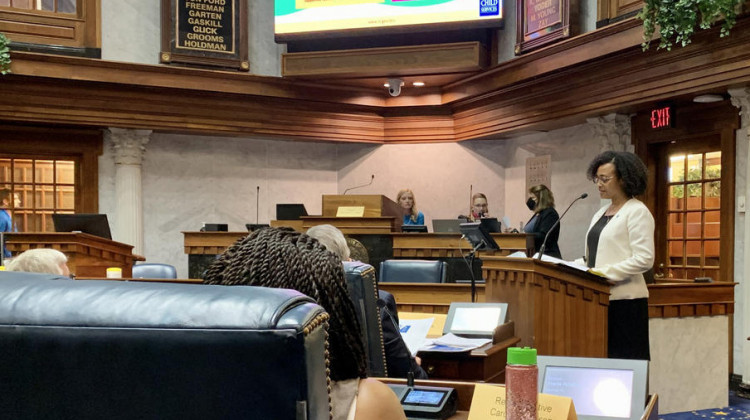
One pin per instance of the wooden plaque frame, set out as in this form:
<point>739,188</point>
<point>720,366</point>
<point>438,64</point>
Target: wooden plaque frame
<point>545,29</point>
<point>175,50</point>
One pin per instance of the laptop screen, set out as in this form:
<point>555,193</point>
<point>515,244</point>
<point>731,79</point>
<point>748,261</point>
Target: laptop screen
<point>601,389</point>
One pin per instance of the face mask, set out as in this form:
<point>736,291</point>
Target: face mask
<point>531,204</point>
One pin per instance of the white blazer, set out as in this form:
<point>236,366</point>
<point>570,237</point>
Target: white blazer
<point>626,249</point>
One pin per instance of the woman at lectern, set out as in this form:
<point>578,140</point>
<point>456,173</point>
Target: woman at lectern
<point>412,216</point>
<point>620,246</point>
<point>281,257</point>
<point>542,203</point>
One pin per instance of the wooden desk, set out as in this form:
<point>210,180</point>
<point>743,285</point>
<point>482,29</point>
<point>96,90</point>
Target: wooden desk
<point>485,364</point>
<point>355,225</point>
<point>451,245</point>
<point>88,255</point>
<point>430,297</point>
<point>465,391</point>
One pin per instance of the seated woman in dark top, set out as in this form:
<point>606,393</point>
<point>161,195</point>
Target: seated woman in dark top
<point>542,203</point>
<point>287,259</point>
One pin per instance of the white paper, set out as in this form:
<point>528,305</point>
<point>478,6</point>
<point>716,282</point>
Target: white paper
<point>451,343</point>
<point>554,260</point>
<point>414,332</point>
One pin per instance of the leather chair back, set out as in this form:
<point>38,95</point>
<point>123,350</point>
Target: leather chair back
<point>363,290</point>
<point>154,271</point>
<point>125,350</point>
<point>413,271</point>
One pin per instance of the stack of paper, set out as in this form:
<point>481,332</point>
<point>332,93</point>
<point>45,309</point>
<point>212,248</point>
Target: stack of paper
<point>451,343</point>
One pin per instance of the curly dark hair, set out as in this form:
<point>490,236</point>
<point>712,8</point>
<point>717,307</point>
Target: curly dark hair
<point>629,168</point>
<point>283,258</point>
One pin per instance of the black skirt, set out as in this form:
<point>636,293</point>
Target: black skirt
<point>628,329</point>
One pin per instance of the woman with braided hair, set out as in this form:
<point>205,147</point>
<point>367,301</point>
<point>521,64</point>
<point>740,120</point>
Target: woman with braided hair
<point>287,259</point>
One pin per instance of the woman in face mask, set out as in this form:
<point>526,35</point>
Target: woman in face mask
<point>542,203</point>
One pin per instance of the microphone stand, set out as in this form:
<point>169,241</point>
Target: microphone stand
<point>471,270</point>
<point>557,222</point>
<point>372,178</point>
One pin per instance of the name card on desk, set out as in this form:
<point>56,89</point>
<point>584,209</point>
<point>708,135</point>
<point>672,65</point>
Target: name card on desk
<point>488,403</point>
<point>350,211</point>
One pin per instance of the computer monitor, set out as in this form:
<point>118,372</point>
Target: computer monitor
<point>601,389</point>
<point>475,319</point>
<point>491,224</point>
<point>414,228</point>
<point>478,236</point>
<point>290,211</point>
<point>94,224</point>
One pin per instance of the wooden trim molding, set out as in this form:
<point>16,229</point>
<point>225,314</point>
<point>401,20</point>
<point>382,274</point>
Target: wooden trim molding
<point>592,74</point>
<point>678,300</point>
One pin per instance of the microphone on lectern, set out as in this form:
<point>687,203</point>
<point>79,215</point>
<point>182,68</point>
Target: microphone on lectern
<point>372,178</point>
<point>544,243</point>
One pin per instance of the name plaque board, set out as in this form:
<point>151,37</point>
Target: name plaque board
<point>205,32</point>
<point>541,22</point>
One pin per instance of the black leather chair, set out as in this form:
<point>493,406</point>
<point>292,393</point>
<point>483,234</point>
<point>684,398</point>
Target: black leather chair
<point>154,271</point>
<point>127,350</point>
<point>413,271</point>
<point>363,289</point>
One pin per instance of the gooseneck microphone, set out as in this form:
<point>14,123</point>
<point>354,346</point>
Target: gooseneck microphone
<point>557,222</point>
<point>257,203</point>
<point>372,178</point>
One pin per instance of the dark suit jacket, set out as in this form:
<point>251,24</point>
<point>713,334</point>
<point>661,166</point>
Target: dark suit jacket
<point>547,218</point>
<point>398,359</point>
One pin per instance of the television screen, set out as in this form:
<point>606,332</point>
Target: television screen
<point>295,18</point>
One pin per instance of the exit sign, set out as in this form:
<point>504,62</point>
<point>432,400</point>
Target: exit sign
<point>662,117</point>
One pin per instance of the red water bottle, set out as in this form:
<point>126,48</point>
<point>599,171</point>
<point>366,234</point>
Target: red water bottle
<point>521,384</point>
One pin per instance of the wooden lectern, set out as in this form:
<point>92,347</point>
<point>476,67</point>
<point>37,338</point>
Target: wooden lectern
<point>381,214</point>
<point>558,310</point>
<point>88,255</point>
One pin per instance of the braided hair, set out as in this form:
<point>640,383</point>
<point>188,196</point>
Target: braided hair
<point>283,258</point>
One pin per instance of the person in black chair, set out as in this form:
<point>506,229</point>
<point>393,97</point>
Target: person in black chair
<point>283,258</point>
<point>542,203</point>
<point>398,358</point>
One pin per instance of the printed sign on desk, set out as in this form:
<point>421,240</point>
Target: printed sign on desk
<point>488,403</point>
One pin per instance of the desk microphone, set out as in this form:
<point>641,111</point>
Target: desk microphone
<point>257,202</point>
<point>372,177</point>
<point>544,243</point>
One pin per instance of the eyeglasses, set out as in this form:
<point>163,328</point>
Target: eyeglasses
<point>602,179</point>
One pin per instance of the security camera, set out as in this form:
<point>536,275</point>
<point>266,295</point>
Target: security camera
<point>394,86</point>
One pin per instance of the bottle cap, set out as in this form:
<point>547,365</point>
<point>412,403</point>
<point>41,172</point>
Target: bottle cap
<point>521,356</point>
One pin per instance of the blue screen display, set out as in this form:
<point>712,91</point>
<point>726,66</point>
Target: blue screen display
<point>420,397</point>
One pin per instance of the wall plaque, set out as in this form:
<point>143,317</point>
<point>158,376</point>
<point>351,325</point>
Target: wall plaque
<point>205,32</point>
<point>541,22</point>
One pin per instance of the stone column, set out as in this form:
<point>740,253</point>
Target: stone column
<point>612,131</point>
<point>129,146</point>
<point>741,99</point>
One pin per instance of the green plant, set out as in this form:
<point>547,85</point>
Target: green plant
<point>677,19</point>
<point>4,54</point>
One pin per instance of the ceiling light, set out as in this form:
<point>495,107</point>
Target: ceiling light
<point>706,99</point>
<point>418,84</point>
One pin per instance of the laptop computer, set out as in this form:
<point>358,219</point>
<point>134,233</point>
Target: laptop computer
<point>446,225</point>
<point>475,319</point>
